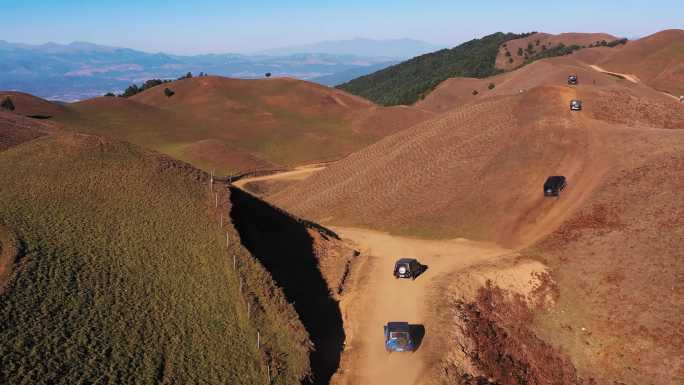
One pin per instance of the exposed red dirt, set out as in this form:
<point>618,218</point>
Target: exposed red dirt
<point>504,347</point>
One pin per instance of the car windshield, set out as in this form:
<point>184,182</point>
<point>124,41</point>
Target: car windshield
<point>400,337</point>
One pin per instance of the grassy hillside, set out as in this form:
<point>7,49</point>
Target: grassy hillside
<point>518,52</point>
<point>233,125</point>
<point>658,60</point>
<point>124,276</point>
<point>477,172</point>
<point>409,81</point>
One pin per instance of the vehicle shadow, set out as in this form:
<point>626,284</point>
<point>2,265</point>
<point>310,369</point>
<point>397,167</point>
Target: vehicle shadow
<point>423,269</point>
<point>417,333</point>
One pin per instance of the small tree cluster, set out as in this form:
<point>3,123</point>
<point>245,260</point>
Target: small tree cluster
<point>7,104</point>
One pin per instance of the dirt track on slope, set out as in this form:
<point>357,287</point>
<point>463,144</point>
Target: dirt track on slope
<point>298,173</point>
<point>378,298</point>
<point>631,78</point>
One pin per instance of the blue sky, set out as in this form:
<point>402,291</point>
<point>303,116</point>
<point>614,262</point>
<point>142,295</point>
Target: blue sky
<point>203,26</point>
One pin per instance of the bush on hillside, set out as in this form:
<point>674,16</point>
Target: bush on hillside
<point>475,92</point>
<point>559,50</point>
<point>110,94</point>
<point>520,51</point>
<point>168,92</point>
<point>7,104</point>
<point>617,42</point>
<point>491,86</point>
<point>134,89</point>
<point>404,83</point>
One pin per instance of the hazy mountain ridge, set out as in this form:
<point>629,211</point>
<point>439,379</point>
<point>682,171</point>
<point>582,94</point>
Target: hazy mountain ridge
<point>82,70</point>
<point>390,48</point>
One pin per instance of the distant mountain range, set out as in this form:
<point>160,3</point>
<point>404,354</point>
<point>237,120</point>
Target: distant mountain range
<point>394,48</point>
<point>82,70</point>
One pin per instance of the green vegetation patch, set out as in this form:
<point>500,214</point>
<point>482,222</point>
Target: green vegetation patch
<point>126,277</point>
<point>409,81</point>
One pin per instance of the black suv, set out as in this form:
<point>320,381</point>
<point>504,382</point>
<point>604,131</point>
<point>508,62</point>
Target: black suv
<point>554,185</point>
<point>408,268</point>
<point>572,80</point>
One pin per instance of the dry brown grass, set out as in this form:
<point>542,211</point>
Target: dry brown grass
<point>234,125</point>
<point>477,171</point>
<point>658,60</point>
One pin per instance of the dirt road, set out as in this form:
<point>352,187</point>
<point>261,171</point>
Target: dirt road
<point>298,173</point>
<point>631,78</point>
<point>378,298</point>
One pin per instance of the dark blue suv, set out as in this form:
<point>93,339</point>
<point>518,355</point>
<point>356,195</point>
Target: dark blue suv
<point>398,337</point>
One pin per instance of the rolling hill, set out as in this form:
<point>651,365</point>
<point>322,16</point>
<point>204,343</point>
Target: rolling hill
<point>656,59</point>
<point>476,172</point>
<point>407,82</point>
<point>413,80</point>
<point>456,92</point>
<point>113,268</point>
<point>514,53</point>
<point>233,125</point>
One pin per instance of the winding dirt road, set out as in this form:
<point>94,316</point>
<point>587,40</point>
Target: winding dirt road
<point>631,78</point>
<point>299,173</point>
<point>378,298</point>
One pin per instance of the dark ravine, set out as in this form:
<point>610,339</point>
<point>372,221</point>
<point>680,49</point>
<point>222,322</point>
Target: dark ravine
<point>284,247</point>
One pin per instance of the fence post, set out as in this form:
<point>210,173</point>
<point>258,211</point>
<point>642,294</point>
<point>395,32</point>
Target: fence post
<point>233,261</point>
<point>258,340</point>
<point>216,196</point>
<point>268,371</point>
<point>227,240</point>
<point>221,220</point>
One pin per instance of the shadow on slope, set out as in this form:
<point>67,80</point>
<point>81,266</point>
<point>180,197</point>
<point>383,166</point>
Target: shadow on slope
<point>284,247</point>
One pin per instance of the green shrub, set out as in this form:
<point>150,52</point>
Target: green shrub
<point>491,86</point>
<point>475,92</point>
<point>7,104</point>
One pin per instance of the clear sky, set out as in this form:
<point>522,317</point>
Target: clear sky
<point>203,26</point>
